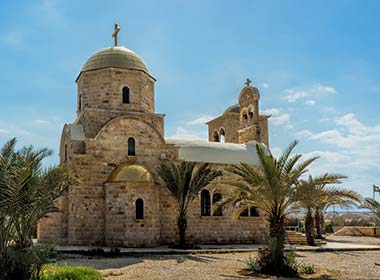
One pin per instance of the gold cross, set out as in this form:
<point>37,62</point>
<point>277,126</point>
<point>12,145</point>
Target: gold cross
<point>248,82</point>
<point>116,30</point>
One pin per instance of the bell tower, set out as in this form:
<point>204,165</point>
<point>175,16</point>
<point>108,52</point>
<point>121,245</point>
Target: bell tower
<point>249,128</point>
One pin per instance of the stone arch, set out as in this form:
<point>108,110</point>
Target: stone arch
<point>251,111</point>
<point>131,173</point>
<point>111,122</point>
<point>215,136</point>
<point>222,135</point>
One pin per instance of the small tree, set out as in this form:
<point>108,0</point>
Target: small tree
<point>27,194</point>
<point>184,181</point>
<point>328,196</point>
<point>374,206</point>
<point>273,190</point>
<point>311,192</point>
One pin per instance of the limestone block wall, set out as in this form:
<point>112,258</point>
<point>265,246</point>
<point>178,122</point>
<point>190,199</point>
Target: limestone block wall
<point>111,143</point>
<point>229,122</point>
<point>210,229</point>
<point>54,227</point>
<point>122,227</point>
<point>86,200</point>
<point>93,120</point>
<point>264,130</point>
<point>248,134</point>
<point>102,89</point>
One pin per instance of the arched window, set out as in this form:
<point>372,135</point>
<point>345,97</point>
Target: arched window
<point>139,209</point>
<point>205,203</point>
<point>65,156</point>
<point>131,146</point>
<point>244,213</point>
<point>222,136</point>
<point>216,136</point>
<point>126,95</point>
<point>250,114</point>
<point>216,198</point>
<point>80,102</point>
<point>245,116</point>
<point>254,211</point>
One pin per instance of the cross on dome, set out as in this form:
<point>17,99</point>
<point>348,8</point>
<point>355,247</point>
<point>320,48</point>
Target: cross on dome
<point>248,82</point>
<point>114,34</point>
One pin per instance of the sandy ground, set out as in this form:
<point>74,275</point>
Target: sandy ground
<point>328,265</point>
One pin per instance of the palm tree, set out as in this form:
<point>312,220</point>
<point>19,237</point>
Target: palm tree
<point>184,182</point>
<point>372,205</point>
<point>273,190</point>
<point>27,194</point>
<point>328,196</point>
<point>311,192</point>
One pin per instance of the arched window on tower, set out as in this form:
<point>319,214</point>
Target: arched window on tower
<point>222,136</point>
<point>250,114</point>
<point>126,97</point>
<point>131,146</point>
<point>80,102</point>
<point>205,203</point>
<point>216,136</point>
<point>216,199</point>
<point>139,209</point>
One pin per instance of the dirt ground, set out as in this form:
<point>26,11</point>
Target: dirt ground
<point>328,265</point>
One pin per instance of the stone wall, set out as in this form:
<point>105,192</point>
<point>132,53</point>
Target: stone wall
<point>210,229</point>
<point>229,122</point>
<point>102,89</point>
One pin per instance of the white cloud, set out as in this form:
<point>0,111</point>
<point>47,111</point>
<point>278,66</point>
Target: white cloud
<point>265,85</point>
<point>42,122</point>
<point>280,119</point>
<point>354,151</point>
<point>200,120</point>
<point>271,111</point>
<point>293,95</point>
<point>276,152</point>
<point>317,90</point>
<point>186,134</point>
<point>304,133</point>
<point>4,131</point>
<point>310,102</point>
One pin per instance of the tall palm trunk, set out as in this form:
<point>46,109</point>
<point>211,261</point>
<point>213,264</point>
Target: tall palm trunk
<point>319,222</point>
<point>182,225</point>
<point>309,227</point>
<point>276,243</point>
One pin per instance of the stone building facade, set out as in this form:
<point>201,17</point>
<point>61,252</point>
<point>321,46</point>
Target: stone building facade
<point>113,148</point>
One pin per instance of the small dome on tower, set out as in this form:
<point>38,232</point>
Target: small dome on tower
<point>115,57</point>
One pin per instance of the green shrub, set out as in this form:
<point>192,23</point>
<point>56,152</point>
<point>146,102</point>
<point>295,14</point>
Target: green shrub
<point>55,272</point>
<point>262,264</point>
<point>329,228</point>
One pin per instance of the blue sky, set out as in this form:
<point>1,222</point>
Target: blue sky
<point>316,64</point>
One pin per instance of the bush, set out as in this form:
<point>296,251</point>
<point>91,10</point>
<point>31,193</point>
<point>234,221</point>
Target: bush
<point>329,228</point>
<point>27,263</point>
<point>55,272</point>
<point>262,264</point>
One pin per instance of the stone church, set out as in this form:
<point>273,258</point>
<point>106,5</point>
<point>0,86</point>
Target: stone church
<point>114,146</point>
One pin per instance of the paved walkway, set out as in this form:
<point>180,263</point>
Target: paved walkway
<point>216,249</point>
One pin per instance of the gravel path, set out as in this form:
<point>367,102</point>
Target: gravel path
<point>329,265</point>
